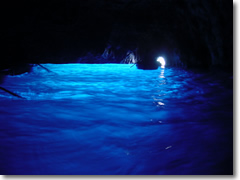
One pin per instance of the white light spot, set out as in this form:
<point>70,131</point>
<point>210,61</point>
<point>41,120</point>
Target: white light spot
<point>168,147</point>
<point>160,103</point>
<point>162,61</point>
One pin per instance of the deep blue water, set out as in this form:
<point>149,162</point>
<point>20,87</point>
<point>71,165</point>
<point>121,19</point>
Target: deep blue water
<point>116,119</point>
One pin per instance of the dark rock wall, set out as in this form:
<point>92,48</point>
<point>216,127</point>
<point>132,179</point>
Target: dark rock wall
<point>192,33</point>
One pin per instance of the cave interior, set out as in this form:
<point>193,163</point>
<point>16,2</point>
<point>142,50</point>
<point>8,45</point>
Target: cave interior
<point>187,33</point>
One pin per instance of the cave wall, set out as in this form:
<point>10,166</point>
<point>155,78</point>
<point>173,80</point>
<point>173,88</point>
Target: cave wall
<point>192,33</point>
<point>209,33</point>
<point>196,33</point>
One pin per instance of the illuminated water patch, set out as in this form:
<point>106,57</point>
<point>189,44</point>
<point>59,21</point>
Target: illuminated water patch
<point>115,119</point>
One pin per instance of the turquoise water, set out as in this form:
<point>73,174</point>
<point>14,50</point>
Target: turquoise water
<point>116,119</point>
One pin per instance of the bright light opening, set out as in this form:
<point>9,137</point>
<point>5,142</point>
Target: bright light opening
<point>162,61</point>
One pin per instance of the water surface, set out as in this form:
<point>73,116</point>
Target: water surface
<point>116,119</point>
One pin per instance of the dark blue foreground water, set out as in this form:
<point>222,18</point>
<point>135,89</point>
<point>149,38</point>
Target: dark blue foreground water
<point>114,119</point>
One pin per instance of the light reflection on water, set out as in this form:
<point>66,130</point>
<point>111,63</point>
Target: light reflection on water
<point>114,119</point>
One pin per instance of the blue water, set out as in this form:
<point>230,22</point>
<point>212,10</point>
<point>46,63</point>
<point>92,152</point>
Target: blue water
<point>116,119</point>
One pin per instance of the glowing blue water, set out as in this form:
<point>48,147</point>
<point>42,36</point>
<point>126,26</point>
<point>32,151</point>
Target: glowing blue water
<point>114,119</point>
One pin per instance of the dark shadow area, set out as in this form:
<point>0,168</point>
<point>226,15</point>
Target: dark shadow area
<point>200,32</point>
